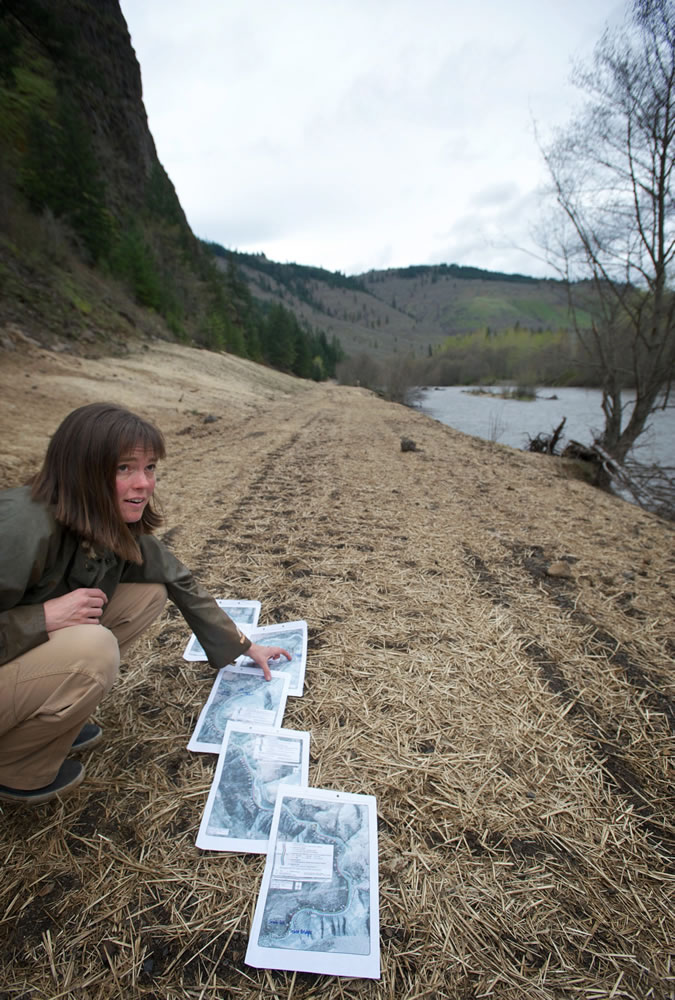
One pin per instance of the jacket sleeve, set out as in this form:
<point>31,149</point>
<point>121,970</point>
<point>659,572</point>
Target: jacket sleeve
<point>25,539</point>
<point>219,636</point>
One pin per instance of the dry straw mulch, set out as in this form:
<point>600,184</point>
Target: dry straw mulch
<point>515,727</point>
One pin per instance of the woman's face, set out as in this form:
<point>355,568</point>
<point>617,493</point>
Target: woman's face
<point>135,483</point>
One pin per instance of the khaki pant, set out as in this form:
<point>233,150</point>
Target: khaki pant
<point>48,693</point>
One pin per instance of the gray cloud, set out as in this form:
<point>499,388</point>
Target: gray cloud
<point>368,133</point>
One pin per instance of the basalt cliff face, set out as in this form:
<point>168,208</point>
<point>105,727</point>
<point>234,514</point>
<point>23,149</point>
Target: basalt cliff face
<point>94,61</point>
<point>94,245</point>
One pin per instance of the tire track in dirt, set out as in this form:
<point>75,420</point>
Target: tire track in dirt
<point>604,741</point>
<point>230,478</point>
<point>646,793</point>
<point>649,680</point>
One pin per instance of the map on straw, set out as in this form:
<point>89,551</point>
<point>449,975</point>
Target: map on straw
<point>253,762</point>
<point>291,636</point>
<point>244,613</point>
<point>318,908</point>
<point>239,694</point>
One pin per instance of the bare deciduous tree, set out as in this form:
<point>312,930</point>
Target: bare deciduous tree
<point>612,172</point>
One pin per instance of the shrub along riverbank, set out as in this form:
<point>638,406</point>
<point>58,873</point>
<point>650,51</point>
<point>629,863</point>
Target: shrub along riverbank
<point>517,356</point>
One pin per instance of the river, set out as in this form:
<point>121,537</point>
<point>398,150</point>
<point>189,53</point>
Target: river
<point>513,421</point>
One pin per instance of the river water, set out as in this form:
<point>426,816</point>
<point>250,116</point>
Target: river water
<point>514,421</point>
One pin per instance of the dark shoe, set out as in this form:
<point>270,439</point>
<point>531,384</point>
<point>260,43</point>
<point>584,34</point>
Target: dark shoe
<point>88,736</point>
<point>70,775</point>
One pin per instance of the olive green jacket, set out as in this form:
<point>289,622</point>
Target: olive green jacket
<point>41,559</point>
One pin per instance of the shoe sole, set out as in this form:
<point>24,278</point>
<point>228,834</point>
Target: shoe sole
<point>36,800</point>
<point>88,744</point>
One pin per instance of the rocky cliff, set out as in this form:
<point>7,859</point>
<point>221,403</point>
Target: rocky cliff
<point>94,243</point>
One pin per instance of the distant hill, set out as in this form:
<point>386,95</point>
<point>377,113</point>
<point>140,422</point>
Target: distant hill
<point>402,310</point>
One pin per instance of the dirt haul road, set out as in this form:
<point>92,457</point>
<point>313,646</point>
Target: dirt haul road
<point>490,655</point>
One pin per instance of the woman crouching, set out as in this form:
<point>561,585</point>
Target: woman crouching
<point>81,577</point>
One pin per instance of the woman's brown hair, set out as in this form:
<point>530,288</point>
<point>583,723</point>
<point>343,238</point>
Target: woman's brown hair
<point>78,475</point>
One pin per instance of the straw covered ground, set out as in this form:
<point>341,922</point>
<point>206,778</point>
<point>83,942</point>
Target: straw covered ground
<point>514,725</point>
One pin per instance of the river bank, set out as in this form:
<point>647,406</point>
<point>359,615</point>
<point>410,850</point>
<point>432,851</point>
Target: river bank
<point>495,415</point>
<point>490,655</point>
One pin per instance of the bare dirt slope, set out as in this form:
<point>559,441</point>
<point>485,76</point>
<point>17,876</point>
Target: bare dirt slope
<point>515,726</point>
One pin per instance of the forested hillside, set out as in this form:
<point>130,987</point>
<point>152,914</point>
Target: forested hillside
<point>403,311</point>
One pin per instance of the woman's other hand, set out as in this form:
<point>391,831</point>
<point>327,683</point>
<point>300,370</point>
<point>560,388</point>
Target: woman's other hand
<point>80,607</point>
<point>261,654</point>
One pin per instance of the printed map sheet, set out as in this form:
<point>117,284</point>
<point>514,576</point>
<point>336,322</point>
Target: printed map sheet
<point>253,762</point>
<point>244,613</point>
<point>239,694</point>
<point>318,909</point>
<point>291,636</point>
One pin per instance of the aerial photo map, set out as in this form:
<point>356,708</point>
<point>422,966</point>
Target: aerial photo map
<point>318,906</point>
<point>243,613</point>
<point>291,636</point>
<point>254,761</point>
<point>242,695</point>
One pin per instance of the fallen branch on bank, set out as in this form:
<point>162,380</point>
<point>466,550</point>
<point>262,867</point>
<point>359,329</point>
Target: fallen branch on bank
<point>652,487</point>
<point>545,444</point>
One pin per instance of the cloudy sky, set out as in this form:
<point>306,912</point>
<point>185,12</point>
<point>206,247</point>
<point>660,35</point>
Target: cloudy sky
<point>358,134</point>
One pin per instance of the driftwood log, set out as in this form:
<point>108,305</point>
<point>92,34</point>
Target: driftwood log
<point>546,444</point>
